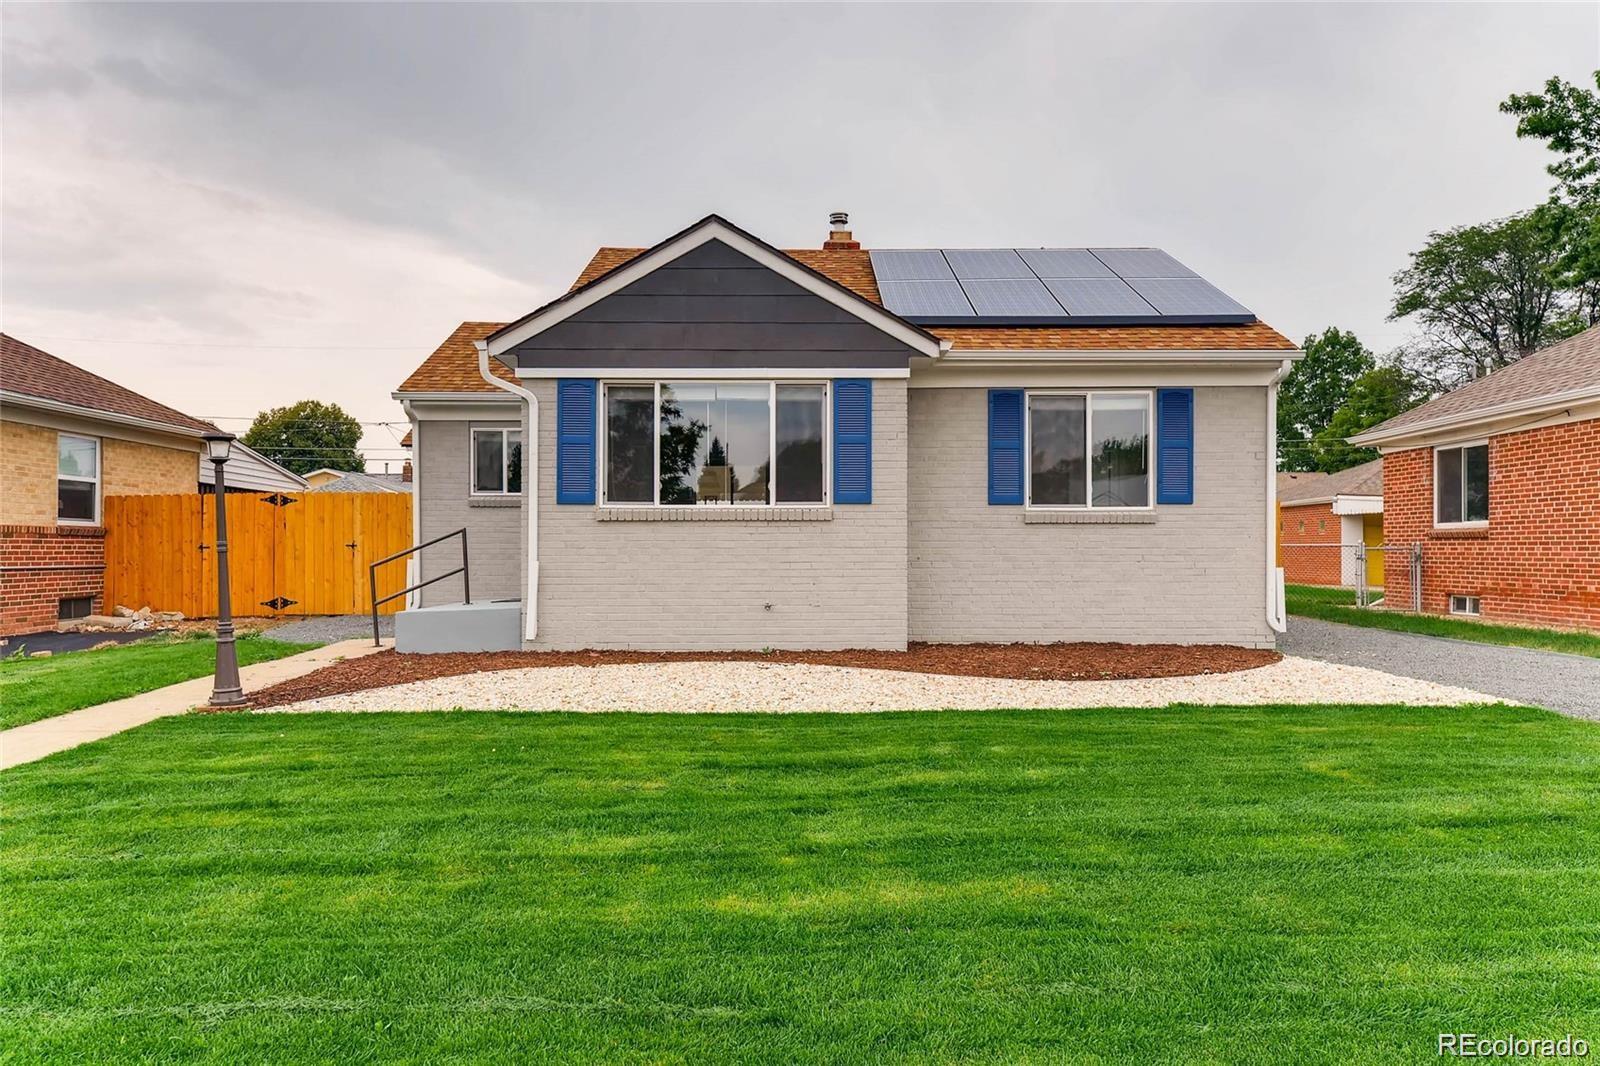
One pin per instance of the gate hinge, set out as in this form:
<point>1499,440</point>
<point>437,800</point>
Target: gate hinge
<point>278,603</point>
<point>279,500</point>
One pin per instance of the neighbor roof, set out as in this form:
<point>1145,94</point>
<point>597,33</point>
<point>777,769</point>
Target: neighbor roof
<point>26,371</point>
<point>453,366</point>
<point>1301,487</point>
<point>1566,368</point>
<point>356,481</point>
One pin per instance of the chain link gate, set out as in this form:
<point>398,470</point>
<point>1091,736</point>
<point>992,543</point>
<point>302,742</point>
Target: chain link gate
<point>1368,571</point>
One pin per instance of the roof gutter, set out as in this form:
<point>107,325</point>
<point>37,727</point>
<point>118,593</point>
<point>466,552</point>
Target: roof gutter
<point>530,490</point>
<point>20,399</point>
<point>1277,615</point>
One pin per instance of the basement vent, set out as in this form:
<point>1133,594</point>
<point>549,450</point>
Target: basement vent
<point>75,607</point>
<point>1465,605</point>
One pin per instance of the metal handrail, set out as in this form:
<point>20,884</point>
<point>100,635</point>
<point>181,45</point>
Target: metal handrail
<point>372,576</point>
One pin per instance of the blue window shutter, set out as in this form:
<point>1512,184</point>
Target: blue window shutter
<point>1174,445</point>
<point>1005,446</point>
<point>852,440</point>
<point>575,421</point>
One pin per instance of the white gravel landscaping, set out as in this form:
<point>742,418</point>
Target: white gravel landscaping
<point>790,687</point>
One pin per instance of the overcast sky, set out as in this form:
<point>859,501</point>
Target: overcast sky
<point>229,207</point>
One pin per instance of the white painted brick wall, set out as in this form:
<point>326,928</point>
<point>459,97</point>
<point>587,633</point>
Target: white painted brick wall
<point>978,573</point>
<point>494,534</point>
<point>706,584</point>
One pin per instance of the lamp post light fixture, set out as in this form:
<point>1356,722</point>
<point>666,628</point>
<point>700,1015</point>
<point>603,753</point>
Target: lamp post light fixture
<point>225,691</point>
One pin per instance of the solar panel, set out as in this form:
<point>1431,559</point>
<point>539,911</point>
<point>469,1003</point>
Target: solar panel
<point>1132,263</point>
<point>1098,296</point>
<point>987,263</point>
<point>1186,296</point>
<point>910,264</point>
<point>914,299</point>
<point>1064,263</point>
<point>1012,297</point>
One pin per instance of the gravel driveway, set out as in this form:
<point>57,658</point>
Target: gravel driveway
<point>1569,684</point>
<point>794,687</point>
<point>325,629</point>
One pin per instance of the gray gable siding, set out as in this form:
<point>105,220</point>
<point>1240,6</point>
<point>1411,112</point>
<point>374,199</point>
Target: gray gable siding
<point>713,308</point>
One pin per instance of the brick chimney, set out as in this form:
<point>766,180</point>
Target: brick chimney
<point>405,471</point>
<point>839,237</point>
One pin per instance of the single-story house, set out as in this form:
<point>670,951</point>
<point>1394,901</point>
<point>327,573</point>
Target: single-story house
<point>1321,519</point>
<point>713,443</point>
<point>69,439</point>
<point>359,481</point>
<point>250,471</point>
<point>1499,482</point>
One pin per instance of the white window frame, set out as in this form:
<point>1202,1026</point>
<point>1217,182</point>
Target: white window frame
<point>1088,455</point>
<point>1467,603</point>
<point>603,438</point>
<point>1461,446</point>
<point>95,481</point>
<point>505,460</point>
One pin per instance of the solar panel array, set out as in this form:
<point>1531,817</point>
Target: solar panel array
<point>1048,286</point>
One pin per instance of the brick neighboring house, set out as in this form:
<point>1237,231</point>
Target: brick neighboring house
<point>1321,519</point>
<point>68,439</point>
<point>1499,481</point>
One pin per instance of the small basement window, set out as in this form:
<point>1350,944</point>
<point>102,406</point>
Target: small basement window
<point>72,607</point>
<point>1465,605</point>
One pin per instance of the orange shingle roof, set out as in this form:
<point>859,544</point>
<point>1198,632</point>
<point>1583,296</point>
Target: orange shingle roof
<point>454,366</point>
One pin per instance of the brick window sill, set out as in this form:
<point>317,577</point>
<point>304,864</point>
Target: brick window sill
<point>1089,518</point>
<point>1459,534</point>
<point>713,514</point>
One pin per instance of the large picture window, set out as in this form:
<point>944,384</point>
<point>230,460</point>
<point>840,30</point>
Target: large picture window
<point>77,479</point>
<point>703,443</point>
<point>1461,485</point>
<point>496,462</point>
<point>1089,449</point>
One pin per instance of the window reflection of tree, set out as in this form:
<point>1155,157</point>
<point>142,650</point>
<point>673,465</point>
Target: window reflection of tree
<point>680,443</point>
<point>1119,470</point>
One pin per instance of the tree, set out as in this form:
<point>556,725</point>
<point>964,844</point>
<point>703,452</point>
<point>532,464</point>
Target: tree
<point>1376,396</point>
<point>1567,118</point>
<point>306,436</point>
<point>1485,296</point>
<point>1317,386</point>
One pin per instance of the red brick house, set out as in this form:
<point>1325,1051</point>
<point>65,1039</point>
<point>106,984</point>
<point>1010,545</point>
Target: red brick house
<point>1321,520</point>
<point>1499,482</point>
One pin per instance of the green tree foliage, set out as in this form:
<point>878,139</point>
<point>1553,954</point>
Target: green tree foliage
<point>1567,118</point>
<point>1376,396</point>
<point>307,436</point>
<point>1318,386</point>
<point>1485,296</point>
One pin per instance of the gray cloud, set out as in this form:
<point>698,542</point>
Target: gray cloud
<point>331,174</point>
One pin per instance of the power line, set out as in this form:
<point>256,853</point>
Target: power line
<point>237,344</point>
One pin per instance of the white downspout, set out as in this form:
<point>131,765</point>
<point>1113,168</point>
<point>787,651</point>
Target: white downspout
<point>414,563</point>
<point>1277,616</point>
<point>530,490</point>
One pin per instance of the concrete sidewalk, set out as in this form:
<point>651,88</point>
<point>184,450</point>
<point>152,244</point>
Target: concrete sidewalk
<point>35,740</point>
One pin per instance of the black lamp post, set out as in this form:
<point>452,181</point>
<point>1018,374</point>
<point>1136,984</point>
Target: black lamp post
<point>225,691</point>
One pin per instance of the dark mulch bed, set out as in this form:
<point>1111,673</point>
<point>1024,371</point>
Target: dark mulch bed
<point>1038,662</point>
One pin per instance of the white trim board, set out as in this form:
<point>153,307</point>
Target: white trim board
<point>713,229</point>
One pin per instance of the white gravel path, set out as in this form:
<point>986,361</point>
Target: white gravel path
<point>788,687</point>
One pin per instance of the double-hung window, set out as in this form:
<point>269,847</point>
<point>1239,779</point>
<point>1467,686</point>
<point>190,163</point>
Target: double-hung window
<point>496,462</point>
<point>707,443</point>
<point>77,479</point>
<point>1089,450</point>
<point>1461,485</point>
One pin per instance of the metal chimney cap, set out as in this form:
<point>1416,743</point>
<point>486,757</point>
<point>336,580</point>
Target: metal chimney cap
<point>839,219</point>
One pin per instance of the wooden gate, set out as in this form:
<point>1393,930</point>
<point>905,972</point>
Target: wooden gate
<point>288,553</point>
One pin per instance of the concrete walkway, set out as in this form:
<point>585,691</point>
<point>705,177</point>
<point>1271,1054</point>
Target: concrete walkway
<point>1569,684</point>
<point>35,740</point>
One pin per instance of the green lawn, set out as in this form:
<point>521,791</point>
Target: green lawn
<point>1338,605</point>
<point>1264,885</point>
<point>31,689</point>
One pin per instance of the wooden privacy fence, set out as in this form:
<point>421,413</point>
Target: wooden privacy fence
<point>288,553</point>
